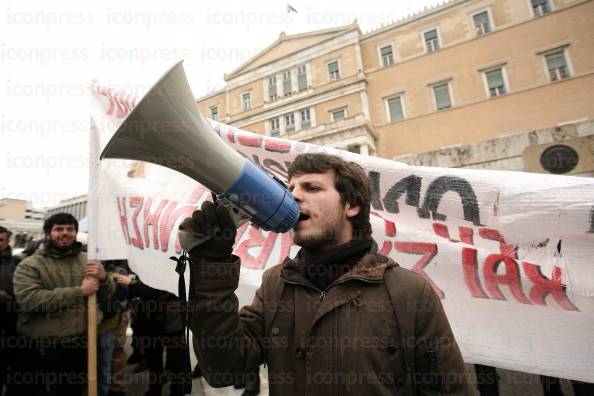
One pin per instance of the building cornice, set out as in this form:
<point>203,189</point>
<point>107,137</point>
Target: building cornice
<point>425,13</point>
<point>283,37</point>
<point>355,86</point>
<point>340,134</point>
<point>210,95</point>
<point>329,129</point>
<point>346,39</point>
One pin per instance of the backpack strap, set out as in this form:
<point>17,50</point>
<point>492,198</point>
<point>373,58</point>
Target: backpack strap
<point>180,268</point>
<point>404,320</point>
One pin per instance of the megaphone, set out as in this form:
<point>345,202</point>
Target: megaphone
<point>166,128</point>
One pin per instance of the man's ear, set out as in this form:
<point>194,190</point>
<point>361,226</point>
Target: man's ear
<point>352,210</point>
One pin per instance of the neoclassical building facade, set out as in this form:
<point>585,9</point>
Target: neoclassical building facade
<point>464,72</point>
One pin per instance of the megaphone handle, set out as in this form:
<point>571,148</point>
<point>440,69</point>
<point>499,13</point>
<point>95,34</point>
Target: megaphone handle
<point>238,215</point>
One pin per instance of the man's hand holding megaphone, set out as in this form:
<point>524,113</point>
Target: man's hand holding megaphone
<point>209,233</point>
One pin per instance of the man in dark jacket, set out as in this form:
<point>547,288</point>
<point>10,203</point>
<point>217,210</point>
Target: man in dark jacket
<point>8,264</point>
<point>338,319</point>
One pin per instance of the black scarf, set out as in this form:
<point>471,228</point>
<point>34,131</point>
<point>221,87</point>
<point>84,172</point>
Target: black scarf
<point>7,253</point>
<point>323,267</point>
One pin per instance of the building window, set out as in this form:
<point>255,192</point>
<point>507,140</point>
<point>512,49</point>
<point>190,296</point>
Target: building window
<point>387,55</point>
<point>246,101</point>
<point>540,7</point>
<point>441,92</point>
<point>214,113</point>
<point>333,71</point>
<point>302,78</point>
<point>482,25</point>
<point>275,127</point>
<point>395,108</point>
<point>305,116</point>
<point>557,65</point>
<point>287,83</point>
<point>290,122</point>
<point>495,82</point>
<point>272,89</point>
<point>338,114</point>
<point>431,40</point>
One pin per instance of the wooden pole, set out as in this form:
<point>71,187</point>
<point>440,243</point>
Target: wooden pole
<point>92,254</point>
<point>92,344</point>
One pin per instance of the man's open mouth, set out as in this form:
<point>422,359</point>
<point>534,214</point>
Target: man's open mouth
<point>303,216</point>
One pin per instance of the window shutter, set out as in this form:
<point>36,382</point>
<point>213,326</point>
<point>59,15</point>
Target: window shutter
<point>556,60</point>
<point>431,35</point>
<point>302,79</point>
<point>442,96</point>
<point>481,18</point>
<point>395,105</point>
<point>495,78</point>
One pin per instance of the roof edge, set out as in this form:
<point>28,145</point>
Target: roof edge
<point>285,37</point>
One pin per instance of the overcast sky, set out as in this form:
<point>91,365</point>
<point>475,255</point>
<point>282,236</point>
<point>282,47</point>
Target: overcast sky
<point>51,50</point>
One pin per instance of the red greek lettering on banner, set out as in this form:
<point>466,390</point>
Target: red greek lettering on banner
<point>543,286</point>
<point>510,278</point>
<point>152,219</point>
<point>123,218</point>
<point>255,239</point>
<point>428,250</point>
<point>136,202</point>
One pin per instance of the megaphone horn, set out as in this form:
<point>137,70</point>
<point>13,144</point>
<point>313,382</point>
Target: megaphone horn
<point>166,128</point>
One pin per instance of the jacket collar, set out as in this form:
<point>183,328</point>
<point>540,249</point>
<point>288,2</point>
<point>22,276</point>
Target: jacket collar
<point>370,268</point>
<point>48,250</point>
<point>7,253</point>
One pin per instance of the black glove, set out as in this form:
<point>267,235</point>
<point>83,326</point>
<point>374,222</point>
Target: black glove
<point>212,220</point>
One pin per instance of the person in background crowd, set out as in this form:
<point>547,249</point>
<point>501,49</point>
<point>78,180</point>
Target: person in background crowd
<point>23,240</point>
<point>118,385</point>
<point>31,248</point>
<point>487,380</point>
<point>8,317</point>
<point>139,324</point>
<point>164,331</point>
<point>50,288</point>
<point>118,363</point>
<point>309,312</point>
<point>551,386</point>
<point>113,309</point>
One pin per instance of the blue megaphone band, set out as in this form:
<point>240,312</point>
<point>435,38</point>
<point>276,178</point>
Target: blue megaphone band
<point>270,204</point>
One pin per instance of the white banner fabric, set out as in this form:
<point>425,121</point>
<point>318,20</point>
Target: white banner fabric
<point>509,253</point>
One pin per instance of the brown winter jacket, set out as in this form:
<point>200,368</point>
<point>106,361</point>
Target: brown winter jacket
<point>344,340</point>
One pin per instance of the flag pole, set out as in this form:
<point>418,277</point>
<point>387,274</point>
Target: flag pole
<point>92,255</point>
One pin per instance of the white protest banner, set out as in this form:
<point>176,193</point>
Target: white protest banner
<point>509,253</point>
